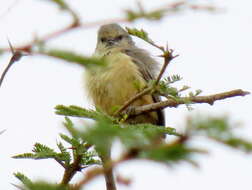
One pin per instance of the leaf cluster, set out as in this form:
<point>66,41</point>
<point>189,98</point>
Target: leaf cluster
<point>139,141</point>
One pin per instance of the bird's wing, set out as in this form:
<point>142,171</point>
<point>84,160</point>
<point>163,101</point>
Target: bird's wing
<point>147,67</point>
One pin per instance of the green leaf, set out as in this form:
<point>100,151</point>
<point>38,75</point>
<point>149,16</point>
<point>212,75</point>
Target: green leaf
<point>101,135</point>
<point>74,111</point>
<point>169,153</point>
<point>212,126</point>
<point>164,88</point>
<point>142,135</point>
<point>74,142</point>
<point>25,155</point>
<point>42,185</point>
<point>132,136</point>
<point>155,15</point>
<point>172,79</point>
<point>81,112</point>
<point>64,155</point>
<point>25,180</point>
<point>42,151</point>
<point>89,158</point>
<point>39,185</point>
<point>139,33</point>
<point>70,127</point>
<point>73,57</point>
<point>198,92</point>
<point>132,15</point>
<point>239,143</point>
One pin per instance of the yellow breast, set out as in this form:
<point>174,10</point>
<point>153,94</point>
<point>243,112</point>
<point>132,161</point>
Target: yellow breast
<point>111,85</point>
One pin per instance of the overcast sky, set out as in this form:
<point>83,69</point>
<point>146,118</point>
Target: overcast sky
<point>215,56</point>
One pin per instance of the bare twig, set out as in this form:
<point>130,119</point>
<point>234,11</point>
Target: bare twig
<point>184,100</point>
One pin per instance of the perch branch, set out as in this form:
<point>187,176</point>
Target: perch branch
<point>184,100</point>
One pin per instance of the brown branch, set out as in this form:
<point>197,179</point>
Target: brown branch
<point>71,170</point>
<point>185,100</point>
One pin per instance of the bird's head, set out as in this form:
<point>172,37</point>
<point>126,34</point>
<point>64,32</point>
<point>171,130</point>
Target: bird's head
<point>112,36</point>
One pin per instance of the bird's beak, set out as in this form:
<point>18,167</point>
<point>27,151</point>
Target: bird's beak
<point>111,42</point>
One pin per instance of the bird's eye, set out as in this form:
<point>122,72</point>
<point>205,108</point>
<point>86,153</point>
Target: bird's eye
<point>103,39</point>
<point>118,38</point>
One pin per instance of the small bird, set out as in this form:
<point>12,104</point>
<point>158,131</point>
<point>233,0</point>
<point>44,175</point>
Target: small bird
<point>127,72</point>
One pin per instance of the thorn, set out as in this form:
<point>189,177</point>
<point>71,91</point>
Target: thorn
<point>11,47</point>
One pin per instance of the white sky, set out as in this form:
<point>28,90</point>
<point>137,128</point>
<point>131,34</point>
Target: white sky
<point>214,56</point>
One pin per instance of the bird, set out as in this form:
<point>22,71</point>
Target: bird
<point>128,70</point>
